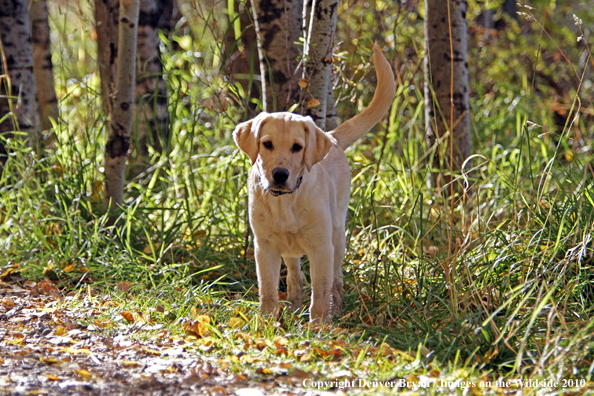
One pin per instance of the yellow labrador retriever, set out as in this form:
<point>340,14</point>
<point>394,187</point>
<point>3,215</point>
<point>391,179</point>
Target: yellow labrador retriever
<point>299,187</point>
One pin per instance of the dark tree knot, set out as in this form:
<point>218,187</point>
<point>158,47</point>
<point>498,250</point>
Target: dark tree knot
<point>118,146</point>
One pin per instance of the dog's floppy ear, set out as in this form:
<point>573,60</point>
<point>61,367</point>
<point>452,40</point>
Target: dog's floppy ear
<point>245,136</point>
<point>317,144</point>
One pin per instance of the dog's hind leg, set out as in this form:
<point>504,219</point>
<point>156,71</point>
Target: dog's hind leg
<point>294,283</point>
<point>337,286</point>
<point>268,269</point>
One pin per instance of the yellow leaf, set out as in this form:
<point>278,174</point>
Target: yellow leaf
<point>236,323</point>
<point>60,331</point>
<point>52,377</point>
<point>83,373</point>
<point>248,359</point>
<point>203,319</point>
<point>303,83</point>
<point>68,268</point>
<point>306,358</point>
<point>151,351</point>
<point>206,341</point>
<point>7,272</point>
<point>48,310</point>
<point>569,155</point>
<point>139,317</point>
<point>313,103</point>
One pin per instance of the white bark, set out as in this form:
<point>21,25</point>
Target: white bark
<point>19,98</point>
<point>122,109</point>
<point>319,45</point>
<point>445,107</point>
<point>42,65</point>
<point>331,122</point>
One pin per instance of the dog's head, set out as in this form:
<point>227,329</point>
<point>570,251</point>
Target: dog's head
<point>282,146</point>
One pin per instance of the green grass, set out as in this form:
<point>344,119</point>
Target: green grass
<point>520,301</point>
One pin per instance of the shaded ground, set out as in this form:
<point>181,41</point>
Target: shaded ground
<point>46,349</point>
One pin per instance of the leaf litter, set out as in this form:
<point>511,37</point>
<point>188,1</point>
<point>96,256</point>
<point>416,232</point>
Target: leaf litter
<point>48,348</point>
<point>89,344</point>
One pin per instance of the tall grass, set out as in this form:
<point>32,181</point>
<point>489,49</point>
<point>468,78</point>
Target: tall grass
<point>521,262</point>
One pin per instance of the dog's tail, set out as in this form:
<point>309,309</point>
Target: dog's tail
<point>353,129</point>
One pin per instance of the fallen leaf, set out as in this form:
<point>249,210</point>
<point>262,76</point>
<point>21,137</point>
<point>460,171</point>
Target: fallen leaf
<point>124,286</point>
<point>52,377</point>
<point>68,268</point>
<point>300,374</point>
<point>8,302</point>
<point>128,316</point>
<point>151,351</point>
<point>236,323</point>
<point>128,363</point>
<point>140,317</point>
<point>83,373</point>
<point>264,371</point>
<point>313,103</point>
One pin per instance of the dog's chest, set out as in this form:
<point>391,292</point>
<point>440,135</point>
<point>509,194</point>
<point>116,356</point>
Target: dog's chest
<point>281,226</point>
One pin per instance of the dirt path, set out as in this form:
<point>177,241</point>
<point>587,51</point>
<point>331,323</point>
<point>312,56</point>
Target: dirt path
<point>49,348</point>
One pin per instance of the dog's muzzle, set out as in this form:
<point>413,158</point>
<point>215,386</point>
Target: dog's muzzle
<point>276,193</point>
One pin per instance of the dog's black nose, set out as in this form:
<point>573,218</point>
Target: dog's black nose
<point>280,175</point>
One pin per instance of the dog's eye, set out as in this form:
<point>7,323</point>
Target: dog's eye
<point>296,148</point>
<point>268,145</point>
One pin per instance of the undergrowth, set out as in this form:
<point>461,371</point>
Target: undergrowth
<point>518,246</point>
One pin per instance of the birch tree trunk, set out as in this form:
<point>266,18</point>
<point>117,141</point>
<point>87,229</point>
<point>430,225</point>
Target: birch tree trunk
<point>331,122</point>
<point>278,27</point>
<point>42,65</point>
<point>17,86</point>
<point>151,94</point>
<point>318,50</point>
<point>122,109</point>
<point>446,83</point>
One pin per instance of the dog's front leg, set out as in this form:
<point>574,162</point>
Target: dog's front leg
<point>294,283</point>
<point>268,269</point>
<point>322,277</point>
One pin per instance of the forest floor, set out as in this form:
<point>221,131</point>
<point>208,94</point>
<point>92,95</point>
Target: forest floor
<point>94,342</point>
<point>46,349</point>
